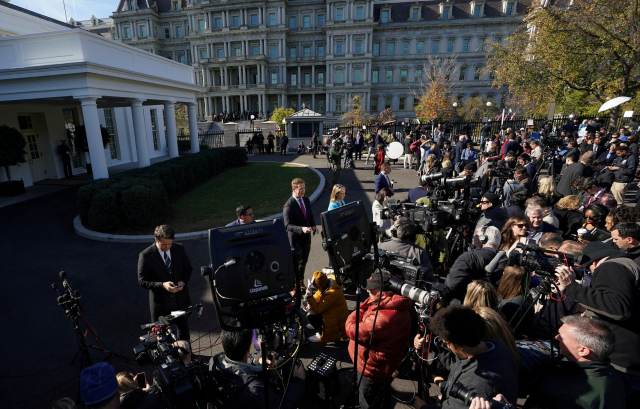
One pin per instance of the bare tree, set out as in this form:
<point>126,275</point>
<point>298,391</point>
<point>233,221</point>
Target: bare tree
<point>436,93</point>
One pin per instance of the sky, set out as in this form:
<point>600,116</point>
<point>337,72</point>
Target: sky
<point>78,9</point>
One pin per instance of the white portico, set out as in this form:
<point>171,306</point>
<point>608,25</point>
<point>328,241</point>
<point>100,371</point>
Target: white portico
<point>57,77</point>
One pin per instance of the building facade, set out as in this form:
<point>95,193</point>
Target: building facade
<point>102,26</point>
<point>257,55</point>
<point>55,77</point>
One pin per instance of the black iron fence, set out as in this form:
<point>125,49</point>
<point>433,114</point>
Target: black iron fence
<point>213,139</point>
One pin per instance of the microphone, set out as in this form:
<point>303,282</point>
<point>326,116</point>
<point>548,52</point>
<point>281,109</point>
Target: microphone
<point>55,287</point>
<point>230,263</point>
<point>342,237</point>
<point>65,283</point>
<point>494,263</point>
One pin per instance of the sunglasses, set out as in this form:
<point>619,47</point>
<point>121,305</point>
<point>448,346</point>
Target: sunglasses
<point>521,225</point>
<point>591,217</point>
<point>485,202</point>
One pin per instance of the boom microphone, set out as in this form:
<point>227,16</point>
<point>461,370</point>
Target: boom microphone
<point>494,263</point>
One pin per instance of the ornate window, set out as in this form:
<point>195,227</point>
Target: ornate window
<point>463,73</point>
<point>446,10</point>
<point>509,7</point>
<point>385,14</point>
<point>416,12</point>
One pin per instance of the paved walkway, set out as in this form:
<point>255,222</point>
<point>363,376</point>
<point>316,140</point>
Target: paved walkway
<point>38,241</point>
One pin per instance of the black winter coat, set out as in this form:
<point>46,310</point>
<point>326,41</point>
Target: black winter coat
<point>467,268</point>
<point>613,295</point>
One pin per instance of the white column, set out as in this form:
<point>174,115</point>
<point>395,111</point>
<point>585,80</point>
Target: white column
<point>172,137</point>
<point>94,137</point>
<point>313,102</point>
<point>193,127</point>
<point>142,147</point>
<point>206,106</point>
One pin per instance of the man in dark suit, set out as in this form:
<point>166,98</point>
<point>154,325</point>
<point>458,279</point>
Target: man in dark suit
<point>245,216</point>
<point>379,139</point>
<point>565,187</point>
<point>358,142</point>
<point>383,180</point>
<point>602,174</point>
<point>299,222</point>
<point>164,269</point>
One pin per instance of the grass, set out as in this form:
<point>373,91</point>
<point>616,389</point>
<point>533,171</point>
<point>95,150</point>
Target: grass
<point>265,186</point>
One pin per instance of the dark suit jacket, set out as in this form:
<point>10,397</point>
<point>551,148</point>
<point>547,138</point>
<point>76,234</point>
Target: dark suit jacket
<point>571,172</point>
<point>236,222</point>
<point>152,272</point>
<point>606,178</point>
<point>381,182</point>
<point>294,221</point>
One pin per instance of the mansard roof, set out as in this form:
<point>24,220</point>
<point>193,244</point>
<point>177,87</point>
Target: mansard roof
<point>163,5</point>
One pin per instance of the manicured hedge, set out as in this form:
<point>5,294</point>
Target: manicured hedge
<point>140,197</point>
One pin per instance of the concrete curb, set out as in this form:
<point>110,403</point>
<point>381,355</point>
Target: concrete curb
<point>119,238</point>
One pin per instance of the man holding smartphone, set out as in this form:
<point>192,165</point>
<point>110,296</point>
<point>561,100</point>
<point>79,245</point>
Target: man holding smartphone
<point>164,269</point>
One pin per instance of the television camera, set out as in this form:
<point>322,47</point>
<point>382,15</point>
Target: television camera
<point>158,347</point>
<point>534,258</point>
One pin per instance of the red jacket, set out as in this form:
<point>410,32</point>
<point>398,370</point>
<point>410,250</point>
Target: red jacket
<point>393,330</point>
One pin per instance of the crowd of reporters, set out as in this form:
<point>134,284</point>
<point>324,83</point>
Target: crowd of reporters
<point>474,338</point>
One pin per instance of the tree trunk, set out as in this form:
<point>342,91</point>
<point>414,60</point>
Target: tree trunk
<point>8,172</point>
<point>613,118</point>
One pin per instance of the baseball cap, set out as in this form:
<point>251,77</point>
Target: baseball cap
<point>492,197</point>
<point>98,383</point>
<point>595,251</point>
<point>374,282</point>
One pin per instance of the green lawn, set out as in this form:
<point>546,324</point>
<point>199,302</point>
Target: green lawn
<point>265,186</point>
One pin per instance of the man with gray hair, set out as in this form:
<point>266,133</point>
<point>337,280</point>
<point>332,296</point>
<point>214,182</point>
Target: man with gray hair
<point>585,377</point>
<point>537,226</point>
<point>402,242</point>
<point>471,265</point>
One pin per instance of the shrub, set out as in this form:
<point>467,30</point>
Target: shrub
<point>140,197</point>
<point>145,205</point>
<point>103,215</point>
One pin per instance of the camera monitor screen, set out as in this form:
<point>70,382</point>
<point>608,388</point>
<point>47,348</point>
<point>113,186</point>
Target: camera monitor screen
<point>263,261</point>
<point>346,233</point>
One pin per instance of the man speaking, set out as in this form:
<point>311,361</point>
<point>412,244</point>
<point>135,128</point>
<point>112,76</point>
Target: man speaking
<point>164,269</point>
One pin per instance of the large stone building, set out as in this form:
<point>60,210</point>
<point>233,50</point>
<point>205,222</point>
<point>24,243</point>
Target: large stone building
<point>102,26</point>
<point>257,55</point>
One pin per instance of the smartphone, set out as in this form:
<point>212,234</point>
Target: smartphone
<point>141,380</point>
<point>178,286</point>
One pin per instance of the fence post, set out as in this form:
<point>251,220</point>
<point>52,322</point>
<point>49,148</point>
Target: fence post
<point>230,134</point>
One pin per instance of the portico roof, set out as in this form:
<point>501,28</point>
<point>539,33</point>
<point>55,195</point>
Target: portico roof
<point>305,115</point>
<point>75,63</point>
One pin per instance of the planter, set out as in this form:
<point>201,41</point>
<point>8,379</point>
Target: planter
<point>13,188</point>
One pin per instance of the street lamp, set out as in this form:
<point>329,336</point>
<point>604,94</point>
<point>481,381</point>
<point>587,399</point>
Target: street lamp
<point>571,116</point>
<point>455,104</point>
<point>488,103</point>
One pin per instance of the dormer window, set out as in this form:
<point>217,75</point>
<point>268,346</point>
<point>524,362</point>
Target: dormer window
<point>416,12</point>
<point>132,5</point>
<point>95,22</point>
<point>477,8</point>
<point>509,7</point>
<point>176,6</point>
<point>385,14</point>
<point>446,10</point>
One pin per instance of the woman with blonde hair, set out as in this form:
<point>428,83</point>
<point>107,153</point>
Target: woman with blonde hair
<point>547,190</point>
<point>499,329</point>
<point>337,196</point>
<point>430,167</point>
<point>570,218</point>
<point>481,294</point>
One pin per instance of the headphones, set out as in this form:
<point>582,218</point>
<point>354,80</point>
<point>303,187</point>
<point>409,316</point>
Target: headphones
<point>482,235</point>
<point>394,229</point>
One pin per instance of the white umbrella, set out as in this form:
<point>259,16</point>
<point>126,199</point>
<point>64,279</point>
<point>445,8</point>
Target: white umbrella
<point>612,103</point>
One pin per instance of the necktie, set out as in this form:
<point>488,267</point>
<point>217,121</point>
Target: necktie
<point>167,261</point>
<point>304,212</point>
<point>388,183</point>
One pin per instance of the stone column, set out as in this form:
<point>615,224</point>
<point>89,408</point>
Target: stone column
<point>193,127</point>
<point>299,101</point>
<point>94,137</point>
<point>142,147</point>
<point>206,106</point>
<point>313,74</point>
<point>172,137</point>
<point>313,102</point>
<point>299,75</point>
